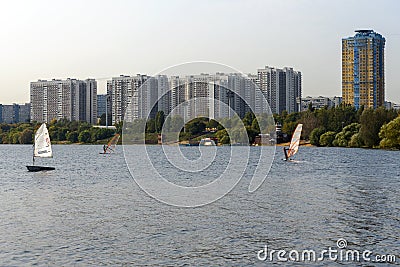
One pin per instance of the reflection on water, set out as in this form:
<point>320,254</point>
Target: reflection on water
<point>89,211</point>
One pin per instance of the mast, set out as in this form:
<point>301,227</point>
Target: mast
<point>33,154</point>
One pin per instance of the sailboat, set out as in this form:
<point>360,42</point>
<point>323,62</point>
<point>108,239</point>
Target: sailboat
<point>110,145</point>
<point>41,149</point>
<point>294,143</point>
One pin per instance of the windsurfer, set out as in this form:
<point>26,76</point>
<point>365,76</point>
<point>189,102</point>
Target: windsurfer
<point>285,150</point>
<point>104,149</point>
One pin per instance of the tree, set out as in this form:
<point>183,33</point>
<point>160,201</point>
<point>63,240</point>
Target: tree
<point>327,138</point>
<point>15,136</point>
<point>84,136</point>
<point>224,140</point>
<point>255,126</point>
<point>248,118</point>
<point>167,124</point>
<point>355,141</point>
<point>53,132</point>
<point>390,134</point>
<point>359,112</point>
<point>315,135</point>
<point>137,126</point>
<point>159,122</point>
<point>289,127</point>
<point>177,124</point>
<point>196,126</point>
<point>371,122</point>
<point>343,138</point>
<point>72,137</point>
<point>84,126</point>
<point>26,137</point>
<point>322,116</point>
<point>239,135</point>
<point>223,137</point>
<point>62,133</point>
<point>251,133</point>
<point>310,122</point>
<point>310,107</point>
<point>52,122</point>
<point>212,124</point>
<point>340,116</point>
<point>151,126</point>
<point>118,127</point>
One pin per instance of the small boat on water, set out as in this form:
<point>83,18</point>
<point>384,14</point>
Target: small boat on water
<point>41,149</point>
<point>207,142</point>
<point>111,145</point>
<point>294,143</point>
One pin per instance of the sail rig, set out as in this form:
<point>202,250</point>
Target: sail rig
<point>294,143</point>
<point>42,143</point>
<point>111,145</point>
<point>41,149</point>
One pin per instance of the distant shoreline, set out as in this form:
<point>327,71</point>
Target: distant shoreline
<point>302,143</point>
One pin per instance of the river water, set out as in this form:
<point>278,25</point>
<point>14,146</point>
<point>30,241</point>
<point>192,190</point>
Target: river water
<point>89,211</point>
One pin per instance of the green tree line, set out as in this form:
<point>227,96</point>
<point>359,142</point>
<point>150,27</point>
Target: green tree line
<point>344,126</point>
<point>202,127</point>
<point>341,126</point>
<point>63,131</point>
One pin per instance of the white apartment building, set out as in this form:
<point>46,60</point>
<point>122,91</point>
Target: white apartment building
<point>71,99</point>
<point>132,97</point>
<point>281,87</point>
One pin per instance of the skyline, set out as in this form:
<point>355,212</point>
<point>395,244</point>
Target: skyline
<point>97,40</point>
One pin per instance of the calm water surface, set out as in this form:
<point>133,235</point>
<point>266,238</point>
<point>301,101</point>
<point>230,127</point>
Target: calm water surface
<point>89,211</point>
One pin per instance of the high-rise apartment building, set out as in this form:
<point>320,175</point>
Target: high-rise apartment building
<point>363,76</point>
<point>281,88</point>
<point>164,94</point>
<point>14,113</point>
<point>10,113</point>
<point>177,87</point>
<point>214,96</point>
<point>101,105</point>
<point>198,89</point>
<point>71,99</point>
<point>24,113</point>
<point>139,93</point>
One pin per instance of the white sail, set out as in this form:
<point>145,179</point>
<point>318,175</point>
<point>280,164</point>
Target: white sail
<point>294,144</point>
<point>42,143</point>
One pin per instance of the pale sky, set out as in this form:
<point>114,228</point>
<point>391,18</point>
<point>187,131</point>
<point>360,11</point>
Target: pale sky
<point>46,39</point>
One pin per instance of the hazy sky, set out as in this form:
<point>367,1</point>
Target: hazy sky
<point>46,39</point>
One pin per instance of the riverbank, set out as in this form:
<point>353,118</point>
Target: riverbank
<point>302,143</point>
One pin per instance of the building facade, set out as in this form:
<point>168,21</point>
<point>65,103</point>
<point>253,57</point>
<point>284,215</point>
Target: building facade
<point>101,105</point>
<point>10,113</point>
<point>217,95</point>
<point>24,112</point>
<point>71,99</point>
<point>214,96</point>
<point>281,87</point>
<point>363,75</point>
<point>316,102</point>
<point>163,94</point>
<point>132,97</point>
<point>177,87</point>
<point>14,113</point>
